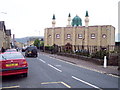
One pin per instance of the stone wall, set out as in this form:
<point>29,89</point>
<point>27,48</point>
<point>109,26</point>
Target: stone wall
<point>113,59</point>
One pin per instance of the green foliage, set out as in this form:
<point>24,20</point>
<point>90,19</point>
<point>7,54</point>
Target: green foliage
<point>67,51</point>
<point>37,43</point>
<point>100,54</point>
<point>82,52</point>
<point>49,48</point>
<point>41,43</point>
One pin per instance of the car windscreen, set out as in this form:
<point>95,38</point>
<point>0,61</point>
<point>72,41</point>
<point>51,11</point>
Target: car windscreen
<point>7,56</point>
<point>10,51</point>
<point>31,48</point>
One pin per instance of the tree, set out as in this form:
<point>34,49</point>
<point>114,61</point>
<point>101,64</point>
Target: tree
<point>37,43</point>
<point>41,43</point>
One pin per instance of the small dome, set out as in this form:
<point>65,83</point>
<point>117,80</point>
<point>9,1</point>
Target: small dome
<point>76,21</point>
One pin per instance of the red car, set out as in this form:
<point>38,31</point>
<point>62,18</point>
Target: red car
<point>13,63</point>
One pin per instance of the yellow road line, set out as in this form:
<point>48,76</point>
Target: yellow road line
<point>66,85</point>
<point>57,83</point>
<point>50,82</point>
<point>10,87</point>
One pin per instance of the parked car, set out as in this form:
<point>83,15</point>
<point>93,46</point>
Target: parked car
<point>31,51</point>
<point>24,48</point>
<point>11,50</point>
<point>13,63</point>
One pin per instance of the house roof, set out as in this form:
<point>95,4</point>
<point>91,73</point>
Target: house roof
<point>8,32</point>
<point>2,25</point>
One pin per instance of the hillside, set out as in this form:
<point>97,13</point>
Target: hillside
<point>25,39</point>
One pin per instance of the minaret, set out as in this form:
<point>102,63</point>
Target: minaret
<point>69,19</point>
<point>86,19</point>
<point>53,30</point>
<point>86,31</point>
<point>53,22</point>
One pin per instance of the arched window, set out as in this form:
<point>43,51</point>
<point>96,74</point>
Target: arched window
<point>79,36</point>
<point>104,35</point>
<point>57,36</point>
<point>68,36</point>
<point>93,36</point>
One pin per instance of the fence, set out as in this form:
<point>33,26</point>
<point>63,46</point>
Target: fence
<point>98,52</point>
<point>81,48</point>
<point>90,49</point>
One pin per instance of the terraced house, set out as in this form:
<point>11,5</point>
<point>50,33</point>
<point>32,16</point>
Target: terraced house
<point>5,36</point>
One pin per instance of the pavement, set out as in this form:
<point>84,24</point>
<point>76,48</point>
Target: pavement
<point>109,70</point>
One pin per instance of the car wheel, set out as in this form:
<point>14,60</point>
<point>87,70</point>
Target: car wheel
<point>26,55</point>
<point>35,55</point>
<point>25,74</point>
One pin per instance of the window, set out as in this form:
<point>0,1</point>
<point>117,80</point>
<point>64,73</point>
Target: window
<point>57,35</point>
<point>68,36</point>
<point>49,35</point>
<point>104,35</point>
<point>92,35</point>
<point>79,36</point>
<point>12,56</point>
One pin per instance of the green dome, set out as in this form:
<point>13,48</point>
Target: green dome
<point>76,21</point>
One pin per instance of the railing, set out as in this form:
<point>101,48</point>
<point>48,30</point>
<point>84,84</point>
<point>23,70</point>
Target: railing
<point>87,52</point>
<point>90,49</point>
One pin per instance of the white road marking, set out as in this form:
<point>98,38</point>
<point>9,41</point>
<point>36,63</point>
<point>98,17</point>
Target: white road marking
<point>57,83</point>
<point>113,75</point>
<point>95,70</point>
<point>55,68</point>
<point>86,82</point>
<point>58,65</point>
<point>42,60</point>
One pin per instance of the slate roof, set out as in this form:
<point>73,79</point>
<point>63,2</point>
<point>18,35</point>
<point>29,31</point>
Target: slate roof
<point>8,32</point>
<point>2,25</point>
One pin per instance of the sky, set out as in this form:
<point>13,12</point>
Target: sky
<point>31,17</point>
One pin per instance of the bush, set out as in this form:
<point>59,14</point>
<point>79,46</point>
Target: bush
<point>51,49</point>
<point>100,54</point>
<point>82,52</point>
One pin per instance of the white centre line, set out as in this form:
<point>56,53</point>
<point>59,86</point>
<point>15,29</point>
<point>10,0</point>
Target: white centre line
<point>55,68</point>
<point>42,60</point>
<point>95,70</point>
<point>86,82</point>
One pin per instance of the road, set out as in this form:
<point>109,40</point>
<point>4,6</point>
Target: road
<point>48,72</point>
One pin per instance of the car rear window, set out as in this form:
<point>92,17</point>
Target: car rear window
<point>0,56</point>
<point>7,56</point>
<point>10,51</point>
<point>31,48</point>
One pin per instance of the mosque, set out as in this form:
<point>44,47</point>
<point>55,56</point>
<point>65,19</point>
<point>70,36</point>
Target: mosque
<point>77,34</point>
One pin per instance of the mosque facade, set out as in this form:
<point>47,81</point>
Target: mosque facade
<point>77,34</point>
